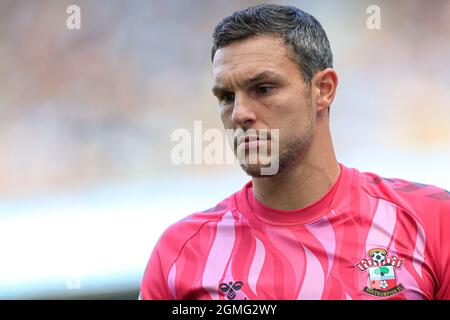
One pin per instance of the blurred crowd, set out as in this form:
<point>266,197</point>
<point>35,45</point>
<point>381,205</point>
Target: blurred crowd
<point>81,107</point>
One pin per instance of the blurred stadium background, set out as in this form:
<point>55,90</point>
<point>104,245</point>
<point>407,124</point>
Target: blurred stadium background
<point>86,116</point>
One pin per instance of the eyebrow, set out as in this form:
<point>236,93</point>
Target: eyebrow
<point>265,75</point>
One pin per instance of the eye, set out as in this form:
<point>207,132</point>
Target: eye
<point>264,89</point>
<point>227,97</point>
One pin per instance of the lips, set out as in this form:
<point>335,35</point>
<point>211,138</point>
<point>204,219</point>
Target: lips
<point>251,138</point>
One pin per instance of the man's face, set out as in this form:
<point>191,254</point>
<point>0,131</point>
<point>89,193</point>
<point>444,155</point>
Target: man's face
<point>259,87</point>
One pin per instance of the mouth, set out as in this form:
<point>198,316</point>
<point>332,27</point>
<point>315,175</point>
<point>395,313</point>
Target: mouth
<point>251,140</point>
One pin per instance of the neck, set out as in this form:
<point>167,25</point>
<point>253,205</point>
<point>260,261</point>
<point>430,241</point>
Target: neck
<point>305,181</point>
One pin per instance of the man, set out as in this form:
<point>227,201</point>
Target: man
<point>314,229</point>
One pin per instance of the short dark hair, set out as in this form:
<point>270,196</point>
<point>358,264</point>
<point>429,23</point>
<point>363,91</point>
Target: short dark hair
<point>300,31</point>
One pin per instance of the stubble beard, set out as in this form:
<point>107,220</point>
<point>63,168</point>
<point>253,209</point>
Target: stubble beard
<point>290,153</point>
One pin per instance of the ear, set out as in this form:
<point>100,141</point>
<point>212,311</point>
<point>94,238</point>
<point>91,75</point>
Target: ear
<point>324,85</point>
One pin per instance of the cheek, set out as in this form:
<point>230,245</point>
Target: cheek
<point>225,116</point>
<point>292,107</point>
<point>224,113</point>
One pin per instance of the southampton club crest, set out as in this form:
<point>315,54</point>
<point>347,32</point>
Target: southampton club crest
<point>382,281</point>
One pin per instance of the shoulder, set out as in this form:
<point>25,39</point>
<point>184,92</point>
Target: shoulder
<point>179,233</point>
<point>414,197</point>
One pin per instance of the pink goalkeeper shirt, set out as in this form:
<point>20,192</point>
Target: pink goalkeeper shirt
<point>368,238</point>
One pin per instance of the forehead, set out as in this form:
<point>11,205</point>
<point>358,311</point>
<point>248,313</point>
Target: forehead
<point>245,58</point>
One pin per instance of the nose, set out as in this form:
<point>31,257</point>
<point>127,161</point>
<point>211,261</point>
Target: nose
<point>243,111</point>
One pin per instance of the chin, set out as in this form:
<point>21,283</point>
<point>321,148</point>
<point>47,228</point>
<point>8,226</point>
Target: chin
<point>255,170</point>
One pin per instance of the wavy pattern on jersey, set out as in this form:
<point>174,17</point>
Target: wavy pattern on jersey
<point>230,280</point>
<point>382,228</point>
<point>419,250</point>
<point>171,281</point>
<point>406,279</point>
<point>313,261</point>
<point>324,233</point>
<point>314,280</point>
<point>263,253</point>
<point>382,231</point>
<point>403,236</point>
<point>190,264</point>
<point>409,246</point>
<point>249,257</point>
<point>256,266</point>
<point>287,255</point>
<point>219,255</point>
